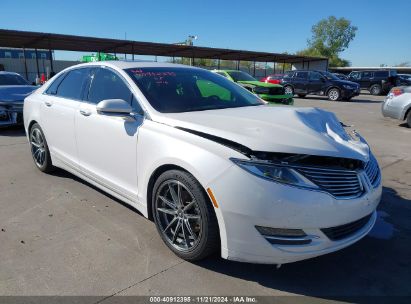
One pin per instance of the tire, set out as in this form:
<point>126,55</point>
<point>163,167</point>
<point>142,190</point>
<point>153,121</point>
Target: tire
<point>302,95</point>
<point>39,149</point>
<point>375,89</point>
<point>190,230</point>
<point>409,119</point>
<point>288,90</point>
<point>334,94</point>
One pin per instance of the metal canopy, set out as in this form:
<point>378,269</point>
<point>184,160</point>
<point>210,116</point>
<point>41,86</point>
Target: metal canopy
<point>37,40</point>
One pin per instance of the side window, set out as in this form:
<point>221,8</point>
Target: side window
<point>381,74</point>
<point>355,75</point>
<point>302,75</point>
<point>73,84</point>
<point>52,89</point>
<point>108,85</point>
<point>315,76</point>
<point>289,74</point>
<point>367,74</point>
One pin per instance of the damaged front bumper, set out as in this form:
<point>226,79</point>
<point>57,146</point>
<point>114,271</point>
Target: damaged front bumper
<point>11,113</point>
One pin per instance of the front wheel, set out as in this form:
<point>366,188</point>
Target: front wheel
<point>184,216</point>
<point>334,94</point>
<point>409,119</point>
<point>39,149</point>
<point>288,90</point>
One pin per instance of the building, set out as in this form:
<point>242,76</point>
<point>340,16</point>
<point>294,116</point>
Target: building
<point>19,53</point>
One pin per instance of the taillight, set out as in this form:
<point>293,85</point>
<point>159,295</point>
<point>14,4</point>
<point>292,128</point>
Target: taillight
<point>397,91</point>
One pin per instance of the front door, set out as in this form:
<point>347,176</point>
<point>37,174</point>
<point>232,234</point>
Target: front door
<point>107,144</point>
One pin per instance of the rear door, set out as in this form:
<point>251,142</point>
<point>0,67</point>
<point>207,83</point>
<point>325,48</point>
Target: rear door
<point>61,102</point>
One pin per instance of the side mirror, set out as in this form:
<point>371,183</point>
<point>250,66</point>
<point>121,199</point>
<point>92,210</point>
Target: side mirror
<point>114,106</point>
<point>323,79</point>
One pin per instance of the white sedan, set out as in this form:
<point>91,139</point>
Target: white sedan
<point>213,165</point>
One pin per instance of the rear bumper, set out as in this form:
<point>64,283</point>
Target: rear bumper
<point>10,118</point>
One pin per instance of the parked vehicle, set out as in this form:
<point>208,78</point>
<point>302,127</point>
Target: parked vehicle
<point>397,104</point>
<point>270,92</point>
<point>377,82</point>
<point>210,162</point>
<point>274,79</point>
<point>303,82</point>
<point>13,90</point>
<point>404,79</point>
<point>341,76</point>
<point>98,57</point>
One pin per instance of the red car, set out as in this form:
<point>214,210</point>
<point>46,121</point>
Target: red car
<point>275,78</point>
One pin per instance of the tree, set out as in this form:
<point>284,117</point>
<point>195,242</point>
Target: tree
<point>330,37</point>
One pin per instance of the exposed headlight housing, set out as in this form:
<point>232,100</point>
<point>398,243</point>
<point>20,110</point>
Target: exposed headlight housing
<point>275,172</point>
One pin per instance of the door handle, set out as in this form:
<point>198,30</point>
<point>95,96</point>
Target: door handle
<point>85,112</point>
<point>48,103</point>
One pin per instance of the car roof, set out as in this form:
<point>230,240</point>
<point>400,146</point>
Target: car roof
<point>123,64</point>
<point>8,73</point>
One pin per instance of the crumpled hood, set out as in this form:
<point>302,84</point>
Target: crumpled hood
<point>15,92</point>
<point>265,128</point>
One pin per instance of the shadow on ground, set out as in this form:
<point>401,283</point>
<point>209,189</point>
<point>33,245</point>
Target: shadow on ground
<point>378,265</point>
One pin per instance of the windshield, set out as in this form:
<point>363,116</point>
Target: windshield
<point>330,76</point>
<point>12,79</point>
<point>176,90</point>
<point>240,76</point>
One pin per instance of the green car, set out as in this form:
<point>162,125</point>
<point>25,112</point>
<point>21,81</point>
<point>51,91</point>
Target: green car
<point>272,93</point>
<point>98,57</point>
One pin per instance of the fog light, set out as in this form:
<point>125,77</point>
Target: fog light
<point>280,232</point>
<point>282,236</point>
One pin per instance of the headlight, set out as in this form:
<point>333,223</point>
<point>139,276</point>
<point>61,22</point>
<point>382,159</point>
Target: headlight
<point>348,87</point>
<point>278,173</point>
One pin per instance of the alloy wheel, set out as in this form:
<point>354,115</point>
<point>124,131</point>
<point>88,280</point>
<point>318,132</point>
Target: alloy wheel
<point>178,215</point>
<point>38,148</point>
<point>288,90</point>
<point>333,95</point>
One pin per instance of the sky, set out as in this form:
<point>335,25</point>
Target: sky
<point>383,35</point>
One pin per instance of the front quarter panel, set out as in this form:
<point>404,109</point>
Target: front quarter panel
<point>160,144</point>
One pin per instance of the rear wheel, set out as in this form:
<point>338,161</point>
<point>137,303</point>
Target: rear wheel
<point>375,89</point>
<point>39,149</point>
<point>288,90</point>
<point>334,94</point>
<point>184,217</point>
<point>409,119</point>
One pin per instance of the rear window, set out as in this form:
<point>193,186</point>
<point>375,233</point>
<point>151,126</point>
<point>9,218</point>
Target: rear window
<point>12,79</point>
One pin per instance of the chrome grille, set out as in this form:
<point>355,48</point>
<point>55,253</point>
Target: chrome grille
<point>338,182</point>
<point>373,171</point>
